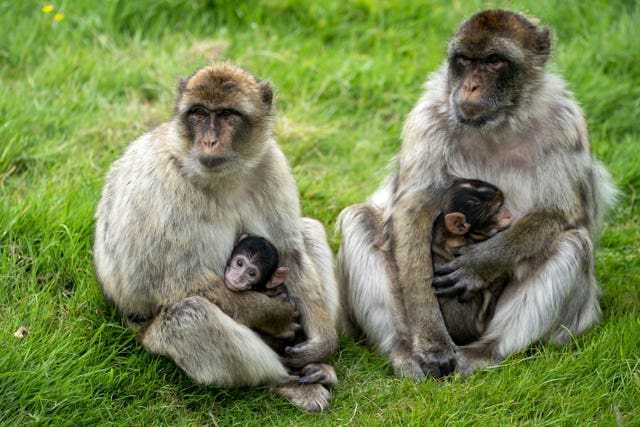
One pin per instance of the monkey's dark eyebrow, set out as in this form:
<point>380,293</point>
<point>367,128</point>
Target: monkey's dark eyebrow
<point>196,107</point>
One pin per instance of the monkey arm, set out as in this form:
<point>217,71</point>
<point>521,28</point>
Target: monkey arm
<point>311,281</point>
<point>322,338</point>
<point>478,265</point>
<point>412,220</point>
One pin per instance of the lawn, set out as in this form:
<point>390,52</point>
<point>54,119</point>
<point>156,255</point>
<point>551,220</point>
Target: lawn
<point>80,81</point>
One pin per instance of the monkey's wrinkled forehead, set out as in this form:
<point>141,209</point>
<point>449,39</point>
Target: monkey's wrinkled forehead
<point>222,85</point>
<point>500,28</point>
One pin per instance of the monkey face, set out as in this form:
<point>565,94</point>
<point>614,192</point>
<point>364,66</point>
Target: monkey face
<point>242,274</point>
<point>213,133</point>
<point>224,117</point>
<point>492,61</point>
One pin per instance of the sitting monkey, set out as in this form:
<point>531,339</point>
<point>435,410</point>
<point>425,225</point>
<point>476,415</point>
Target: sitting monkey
<point>472,211</point>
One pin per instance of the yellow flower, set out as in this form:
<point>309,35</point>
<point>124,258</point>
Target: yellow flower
<point>58,17</point>
<point>46,9</point>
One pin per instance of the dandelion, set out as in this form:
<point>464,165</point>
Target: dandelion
<point>46,9</point>
<point>58,17</point>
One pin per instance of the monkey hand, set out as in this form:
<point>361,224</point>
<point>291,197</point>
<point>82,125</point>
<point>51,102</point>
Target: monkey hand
<point>320,344</point>
<point>288,323</point>
<point>458,278</point>
<point>282,321</point>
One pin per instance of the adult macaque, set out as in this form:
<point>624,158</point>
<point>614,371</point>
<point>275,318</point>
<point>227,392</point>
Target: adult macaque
<point>491,112</point>
<point>472,211</point>
<point>253,266</point>
<point>170,211</point>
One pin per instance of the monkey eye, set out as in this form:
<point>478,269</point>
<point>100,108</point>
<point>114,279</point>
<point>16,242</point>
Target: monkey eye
<point>199,111</point>
<point>239,262</point>
<point>495,61</point>
<point>226,112</point>
<point>252,273</point>
<point>463,61</point>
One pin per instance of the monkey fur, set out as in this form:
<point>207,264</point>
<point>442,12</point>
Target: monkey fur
<point>168,217</point>
<point>491,112</point>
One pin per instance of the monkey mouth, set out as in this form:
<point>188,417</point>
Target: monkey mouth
<point>237,287</point>
<point>472,116</point>
<point>211,162</point>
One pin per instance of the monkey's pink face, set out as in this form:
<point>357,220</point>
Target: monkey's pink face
<point>241,274</point>
<point>213,133</point>
<point>478,96</point>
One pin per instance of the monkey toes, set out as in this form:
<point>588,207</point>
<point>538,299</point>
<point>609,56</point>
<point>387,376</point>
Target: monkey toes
<point>318,373</point>
<point>309,397</point>
<point>436,364</point>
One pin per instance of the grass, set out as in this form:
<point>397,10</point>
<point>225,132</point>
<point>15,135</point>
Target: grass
<point>73,93</point>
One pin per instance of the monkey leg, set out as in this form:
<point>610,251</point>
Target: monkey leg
<point>366,287</point>
<point>465,321</point>
<point>314,288</point>
<point>211,347</point>
<point>555,301</point>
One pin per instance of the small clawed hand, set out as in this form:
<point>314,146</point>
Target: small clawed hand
<point>456,278</point>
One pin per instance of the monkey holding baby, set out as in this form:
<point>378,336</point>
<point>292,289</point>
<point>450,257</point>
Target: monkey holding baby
<point>168,217</point>
<point>491,112</point>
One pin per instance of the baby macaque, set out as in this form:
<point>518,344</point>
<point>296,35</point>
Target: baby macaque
<point>472,211</point>
<point>253,266</point>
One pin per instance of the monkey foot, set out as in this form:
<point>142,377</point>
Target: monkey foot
<point>421,365</point>
<point>318,373</point>
<point>471,359</point>
<point>309,397</point>
<point>407,368</point>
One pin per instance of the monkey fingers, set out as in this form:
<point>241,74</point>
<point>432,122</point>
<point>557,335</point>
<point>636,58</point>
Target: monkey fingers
<point>436,364</point>
<point>447,268</point>
<point>465,289</point>
<point>290,333</point>
<point>407,368</point>
<point>309,397</point>
<point>319,373</point>
<point>312,350</point>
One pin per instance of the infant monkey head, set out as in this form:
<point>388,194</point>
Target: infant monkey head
<point>253,265</point>
<point>474,209</point>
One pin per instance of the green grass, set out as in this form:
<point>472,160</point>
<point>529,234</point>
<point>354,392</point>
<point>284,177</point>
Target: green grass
<point>74,93</point>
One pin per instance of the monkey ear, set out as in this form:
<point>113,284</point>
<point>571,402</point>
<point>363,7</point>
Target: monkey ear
<point>242,237</point>
<point>278,277</point>
<point>456,223</point>
<point>182,85</point>
<point>266,92</point>
<point>544,43</point>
